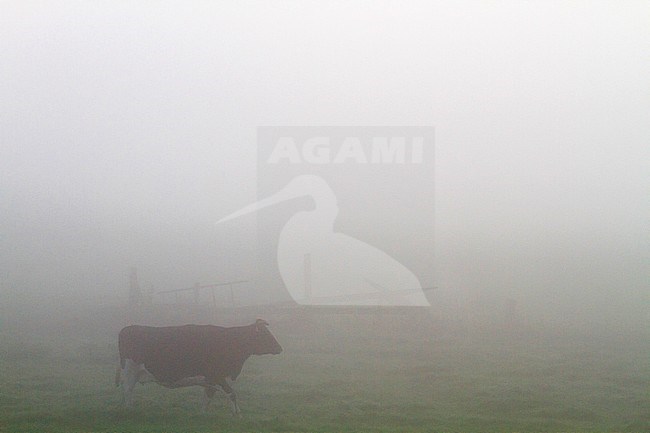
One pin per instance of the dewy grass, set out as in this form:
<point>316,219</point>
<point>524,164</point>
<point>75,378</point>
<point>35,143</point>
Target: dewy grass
<point>330,380</point>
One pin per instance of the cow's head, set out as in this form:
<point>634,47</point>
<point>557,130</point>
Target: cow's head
<point>263,341</point>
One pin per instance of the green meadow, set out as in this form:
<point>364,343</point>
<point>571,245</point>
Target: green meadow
<point>344,375</point>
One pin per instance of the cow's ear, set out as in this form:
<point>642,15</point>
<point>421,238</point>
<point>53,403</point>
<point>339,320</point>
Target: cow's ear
<point>259,324</point>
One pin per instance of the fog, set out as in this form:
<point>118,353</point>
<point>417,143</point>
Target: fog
<point>128,130</point>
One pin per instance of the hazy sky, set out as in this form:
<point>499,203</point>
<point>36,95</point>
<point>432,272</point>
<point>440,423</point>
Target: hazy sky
<point>128,129</point>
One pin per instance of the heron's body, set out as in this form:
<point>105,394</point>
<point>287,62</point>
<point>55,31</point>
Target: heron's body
<point>323,267</point>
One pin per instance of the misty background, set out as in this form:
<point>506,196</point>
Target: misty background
<point>128,130</point>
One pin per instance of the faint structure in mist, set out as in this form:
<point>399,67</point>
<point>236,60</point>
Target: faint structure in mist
<point>135,293</point>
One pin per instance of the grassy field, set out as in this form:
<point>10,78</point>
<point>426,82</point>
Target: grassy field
<point>339,377</point>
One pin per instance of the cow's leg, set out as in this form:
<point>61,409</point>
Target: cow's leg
<point>130,378</point>
<point>232,396</point>
<point>207,398</point>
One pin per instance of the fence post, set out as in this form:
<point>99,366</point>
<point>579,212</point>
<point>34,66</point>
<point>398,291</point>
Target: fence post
<point>307,271</point>
<point>197,287</point>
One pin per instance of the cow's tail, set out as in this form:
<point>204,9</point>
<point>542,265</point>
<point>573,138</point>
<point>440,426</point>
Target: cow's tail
<point>120,345</point>
<point>118,372</point>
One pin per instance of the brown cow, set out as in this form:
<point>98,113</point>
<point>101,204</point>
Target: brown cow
<point>190,355</point>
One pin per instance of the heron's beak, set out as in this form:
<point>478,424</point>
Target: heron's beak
<point>282,195</point>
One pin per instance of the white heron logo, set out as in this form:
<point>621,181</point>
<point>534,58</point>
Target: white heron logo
<point>322,267</point>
